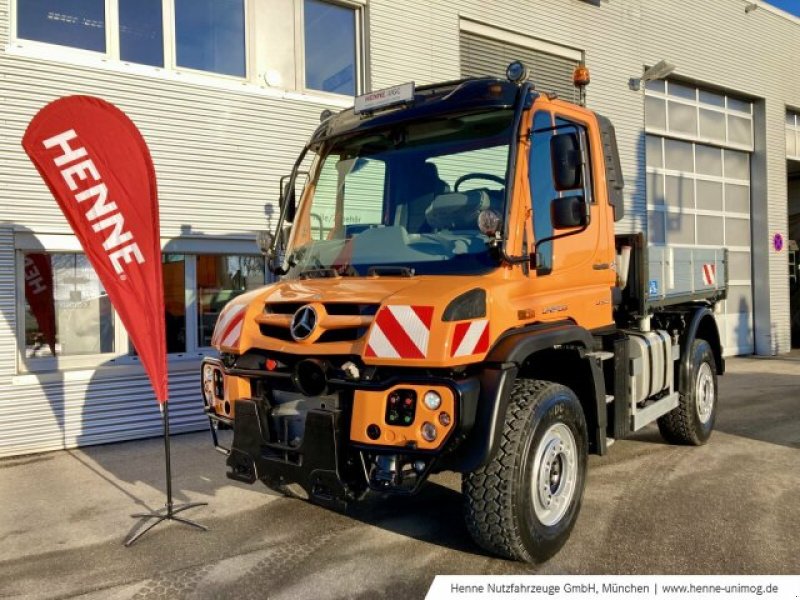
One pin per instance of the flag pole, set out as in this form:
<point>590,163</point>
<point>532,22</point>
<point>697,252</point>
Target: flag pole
<point>169,512</point>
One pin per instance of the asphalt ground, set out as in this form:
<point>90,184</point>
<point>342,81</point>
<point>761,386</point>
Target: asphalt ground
<point>732,506</point>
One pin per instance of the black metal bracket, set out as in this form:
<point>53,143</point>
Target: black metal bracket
<point>170,511</point>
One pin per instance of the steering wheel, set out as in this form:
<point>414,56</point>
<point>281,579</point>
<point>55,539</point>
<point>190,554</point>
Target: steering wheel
<point>485,176</point>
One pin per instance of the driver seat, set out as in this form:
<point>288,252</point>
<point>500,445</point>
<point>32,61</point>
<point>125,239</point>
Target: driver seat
<point>423,186</point>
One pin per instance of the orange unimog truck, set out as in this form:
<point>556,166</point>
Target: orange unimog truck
<point>452,296</point>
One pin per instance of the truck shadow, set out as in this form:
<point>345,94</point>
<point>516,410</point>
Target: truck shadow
<point>433,516</point>
<point>762,407</point>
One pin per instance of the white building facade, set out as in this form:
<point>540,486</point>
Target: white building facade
<point>226,92</point>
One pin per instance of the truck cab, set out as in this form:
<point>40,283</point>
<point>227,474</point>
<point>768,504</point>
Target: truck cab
<point>452,295</point>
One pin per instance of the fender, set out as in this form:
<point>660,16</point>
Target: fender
<point>503,362</point>
<point>703,318</point>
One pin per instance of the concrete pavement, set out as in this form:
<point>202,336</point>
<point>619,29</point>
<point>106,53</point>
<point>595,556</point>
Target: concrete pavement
<point>732,506</point>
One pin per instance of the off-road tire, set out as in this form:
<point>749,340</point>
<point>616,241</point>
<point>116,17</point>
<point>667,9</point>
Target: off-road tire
<point>683,424</point>
<point>498,497</point>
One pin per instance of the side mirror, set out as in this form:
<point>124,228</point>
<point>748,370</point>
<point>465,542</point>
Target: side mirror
<point>569,212</point>
<point>565,149</point>
<point>286,199</point>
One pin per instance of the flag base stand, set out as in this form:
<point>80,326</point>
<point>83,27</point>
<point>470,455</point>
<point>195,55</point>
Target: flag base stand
<point>170,511</point>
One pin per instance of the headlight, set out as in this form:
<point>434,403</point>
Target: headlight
<point>469,305</point>
<point>208,384</point>
<point>432,400</point>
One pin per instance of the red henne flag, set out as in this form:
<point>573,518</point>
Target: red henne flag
<point>99,169</point>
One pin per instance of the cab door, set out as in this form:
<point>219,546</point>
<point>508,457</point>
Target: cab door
<point>573,265</point>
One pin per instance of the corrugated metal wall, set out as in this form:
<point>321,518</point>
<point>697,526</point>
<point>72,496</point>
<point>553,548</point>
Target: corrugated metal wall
<point>5,8</point>
<point>219,151</point>
<point>483,56</point>
<point>8,318</point>
<point>58,413</point>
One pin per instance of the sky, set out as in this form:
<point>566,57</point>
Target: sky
<point>790,6</point>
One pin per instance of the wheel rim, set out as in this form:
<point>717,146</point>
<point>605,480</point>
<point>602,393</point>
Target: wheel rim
<point>704,392</point>
<point>555,472</point>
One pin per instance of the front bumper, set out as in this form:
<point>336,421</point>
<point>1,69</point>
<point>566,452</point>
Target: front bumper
<point>326,454</point>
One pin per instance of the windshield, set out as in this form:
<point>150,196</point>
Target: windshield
<point>424,197</point>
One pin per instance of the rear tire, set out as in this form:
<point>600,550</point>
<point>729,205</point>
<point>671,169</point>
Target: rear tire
<point>523,504</point>
<point>692,421</point>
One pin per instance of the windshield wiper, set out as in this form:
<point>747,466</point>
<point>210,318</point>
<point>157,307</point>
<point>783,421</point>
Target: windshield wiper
<point>390,270</point>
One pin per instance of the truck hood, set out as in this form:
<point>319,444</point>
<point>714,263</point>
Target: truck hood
<point>384,320</point>
<point>372,290</point>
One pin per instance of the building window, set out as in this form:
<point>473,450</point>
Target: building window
<point>67,311</point>
<point>793,135</point>
<point>330,47</point>
<point>209,36</point>
<point>68,321</point>
<point>220,279</point>
<point>687,112</point>
<point>141,32</point>
<point>75,23</point>
<point>174,274</point>
<point>697,158</point>
<point>302,45</point>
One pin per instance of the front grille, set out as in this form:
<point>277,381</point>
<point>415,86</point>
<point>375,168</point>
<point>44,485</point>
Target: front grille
<point>344,322</point>
<point>332,308</point>
<point>351,334</point>
<point>347,308</point>
<point>272,331</point>
<point>282,308</point>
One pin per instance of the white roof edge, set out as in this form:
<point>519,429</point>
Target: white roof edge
<point>778,11</point>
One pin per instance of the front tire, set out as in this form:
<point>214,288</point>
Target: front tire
<point>692,421</point>
<point>523,504</point>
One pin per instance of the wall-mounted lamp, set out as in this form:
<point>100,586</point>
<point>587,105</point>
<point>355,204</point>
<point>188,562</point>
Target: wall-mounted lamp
<point>751,6</point>
<point>660,70</point>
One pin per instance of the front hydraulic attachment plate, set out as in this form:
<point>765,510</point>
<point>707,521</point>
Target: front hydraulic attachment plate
<point>314,464</point>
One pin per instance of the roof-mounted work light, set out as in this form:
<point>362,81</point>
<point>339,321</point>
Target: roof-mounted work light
<point>517,72</point>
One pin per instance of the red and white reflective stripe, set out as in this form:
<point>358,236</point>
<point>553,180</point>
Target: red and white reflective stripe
<point>400,332</point>
<point>229,326</point>
<point>471,337</point>
<point>710,274</point>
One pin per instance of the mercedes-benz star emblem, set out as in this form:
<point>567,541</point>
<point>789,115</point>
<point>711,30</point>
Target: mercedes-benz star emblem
<point>304,322</point>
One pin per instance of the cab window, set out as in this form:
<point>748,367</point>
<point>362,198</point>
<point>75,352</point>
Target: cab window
<point>546,125</point>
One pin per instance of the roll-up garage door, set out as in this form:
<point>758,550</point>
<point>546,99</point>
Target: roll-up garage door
<point>698,149</point>
<point>482,55</point>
